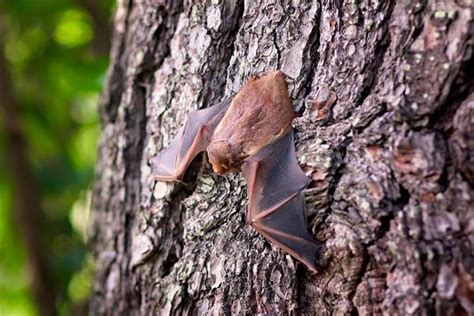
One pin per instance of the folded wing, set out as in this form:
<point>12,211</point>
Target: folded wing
<point>276,184</point>
<point>194,137</point>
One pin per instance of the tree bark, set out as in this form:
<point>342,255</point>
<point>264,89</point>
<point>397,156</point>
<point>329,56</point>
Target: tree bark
<point>385,93</point>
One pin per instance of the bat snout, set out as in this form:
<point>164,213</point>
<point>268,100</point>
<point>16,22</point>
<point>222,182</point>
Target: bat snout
<point>222,169</point>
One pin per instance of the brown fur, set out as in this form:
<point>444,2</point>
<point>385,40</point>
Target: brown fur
<point>259,114</point>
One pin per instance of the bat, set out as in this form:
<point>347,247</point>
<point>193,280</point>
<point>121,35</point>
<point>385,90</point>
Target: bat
<point>251,132</point>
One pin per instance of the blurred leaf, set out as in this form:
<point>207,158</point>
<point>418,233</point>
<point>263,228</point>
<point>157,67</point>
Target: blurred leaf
<point>84,139</point>
<point>83,109</point>
<point>80,286</point>
<point>79,215</point>
<point>73,29</point>
<point>14,294</point>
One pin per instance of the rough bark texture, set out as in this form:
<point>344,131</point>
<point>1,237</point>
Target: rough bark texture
<point>384,89</point>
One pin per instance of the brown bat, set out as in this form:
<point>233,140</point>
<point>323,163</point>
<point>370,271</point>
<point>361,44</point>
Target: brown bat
<point>252,132</point>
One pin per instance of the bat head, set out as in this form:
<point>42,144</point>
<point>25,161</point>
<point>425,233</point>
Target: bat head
<point>223,157</point>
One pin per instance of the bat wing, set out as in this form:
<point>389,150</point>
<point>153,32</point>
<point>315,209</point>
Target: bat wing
<point>275,185</point>
<point>194,137</point>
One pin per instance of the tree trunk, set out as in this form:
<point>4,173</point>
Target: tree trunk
<point>385,93</point>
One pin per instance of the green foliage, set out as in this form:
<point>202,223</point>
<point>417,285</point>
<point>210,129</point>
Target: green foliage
<point>57,77</point>
<point>14,295</point>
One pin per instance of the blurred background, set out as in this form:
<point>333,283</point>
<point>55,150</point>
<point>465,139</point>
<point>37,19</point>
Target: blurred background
<point>53,59</point>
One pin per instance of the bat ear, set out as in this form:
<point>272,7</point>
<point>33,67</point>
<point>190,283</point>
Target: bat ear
<point>275,75</point>
<point>279,74</point>
<point>253,77</point>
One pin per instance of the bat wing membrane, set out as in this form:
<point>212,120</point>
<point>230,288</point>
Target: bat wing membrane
<point>276,186</point>
<point>193,138</point>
